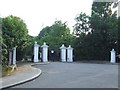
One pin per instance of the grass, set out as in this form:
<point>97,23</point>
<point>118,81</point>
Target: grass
<point>8,70</point>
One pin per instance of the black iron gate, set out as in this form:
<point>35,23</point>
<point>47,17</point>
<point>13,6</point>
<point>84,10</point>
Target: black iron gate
<point>53,55</point>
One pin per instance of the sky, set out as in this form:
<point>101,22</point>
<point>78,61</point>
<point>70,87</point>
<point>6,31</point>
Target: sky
<point>38,14</point>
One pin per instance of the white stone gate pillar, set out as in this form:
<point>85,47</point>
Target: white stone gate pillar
<point>69,54</point>
<point>113,56</point>
<point>63,53</point>
<point>36,49</point>
<point>14,57</point>
<point>44,52</point>
<point>10,57</point>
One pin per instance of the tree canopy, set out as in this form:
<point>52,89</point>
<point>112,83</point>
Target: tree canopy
<point>93,36</point>
<point>14,34</point>
<point>14,31</point>
<point>82,24</point>
<point>103,32</point>
<point>55,36</point>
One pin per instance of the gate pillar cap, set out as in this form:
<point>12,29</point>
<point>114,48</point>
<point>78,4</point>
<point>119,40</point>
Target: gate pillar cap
<point>44,45</point>
<point>69,47</point>
<point>63,47</point>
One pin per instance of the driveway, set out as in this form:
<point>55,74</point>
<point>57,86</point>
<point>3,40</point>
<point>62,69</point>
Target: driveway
<point>75,75</point>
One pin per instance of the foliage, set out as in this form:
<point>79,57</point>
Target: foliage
<point>107,28</point>
<point>58,32</point>
<point>26,49</point>
<point>118,35</point>
<point>82,24</point>
<point>97,43</point>
<point>0,39</point>
<point>14,31</point>
<point>55,36</point>
<point>14,34</point>
<point>45,31</point>
<point>94,36</point>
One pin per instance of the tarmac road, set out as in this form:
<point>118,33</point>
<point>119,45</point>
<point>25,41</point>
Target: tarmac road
<point>74,75</point>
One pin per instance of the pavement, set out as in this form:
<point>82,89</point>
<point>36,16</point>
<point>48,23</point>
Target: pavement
<point>24,73</point>
<point>98,74</point>
<point>74,75</point>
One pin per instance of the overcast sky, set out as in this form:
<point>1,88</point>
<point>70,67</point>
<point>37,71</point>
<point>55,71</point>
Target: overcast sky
<point>40,13</point>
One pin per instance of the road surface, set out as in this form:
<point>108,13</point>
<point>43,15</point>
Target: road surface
<point>74,75</point>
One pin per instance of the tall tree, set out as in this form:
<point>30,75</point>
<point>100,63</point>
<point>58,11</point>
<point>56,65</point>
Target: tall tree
<point>44,31</point>
<point>102,14</point>
<point>14,32</point>
<point>0,29</point>
<point>104,26</point>
<point>55,36</point>
<point>82,24</point>
<point>118,35</point>
<point>102,35</point>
